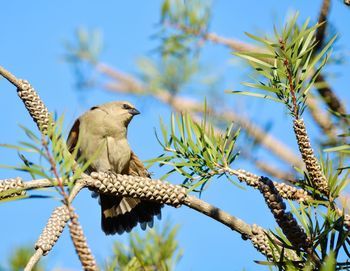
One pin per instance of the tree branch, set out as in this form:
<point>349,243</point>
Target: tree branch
<point>286,191</point>
<point>147,189</point>
<point>34,260</point>
<point>217,214</point>
<point>10,77</point>
<point>274,171</point>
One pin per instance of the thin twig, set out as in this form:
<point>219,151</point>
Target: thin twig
<point>10,77</point>
<point>217,214</point>
<point>295,108</point>
<point>60,185</point>
<point>34,260</point>
<point>234,44</point>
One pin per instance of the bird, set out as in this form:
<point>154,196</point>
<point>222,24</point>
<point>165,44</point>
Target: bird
<point>100,134</point>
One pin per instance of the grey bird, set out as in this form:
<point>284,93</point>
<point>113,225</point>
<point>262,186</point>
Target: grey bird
<point>102,134</point>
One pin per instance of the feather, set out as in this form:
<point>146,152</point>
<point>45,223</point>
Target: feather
<point>73,136</point>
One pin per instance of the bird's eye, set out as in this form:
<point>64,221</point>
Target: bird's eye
<point>126,106</point>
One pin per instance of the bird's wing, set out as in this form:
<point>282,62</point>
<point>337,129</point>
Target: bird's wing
<point>136,167</point>
<point>73,136</point>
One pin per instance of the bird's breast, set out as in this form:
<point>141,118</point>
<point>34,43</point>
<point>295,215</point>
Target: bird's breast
<point>119,152</point>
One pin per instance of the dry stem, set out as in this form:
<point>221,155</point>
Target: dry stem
<point>34,260</point>
<point>230,221</point>
<point>10,77</point>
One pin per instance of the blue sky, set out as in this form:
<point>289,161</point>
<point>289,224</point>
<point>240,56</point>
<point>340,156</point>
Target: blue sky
<point>31,42</point>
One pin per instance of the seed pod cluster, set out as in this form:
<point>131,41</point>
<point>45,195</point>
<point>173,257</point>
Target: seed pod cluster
<point>35,106</point>
<point>53,229</point>
<point>12,187</point>
<point>316,175</point>
<point>137,187</point>
<point>286,191</point>
<point>294,233</point>
<point>76,232</point>
<point>261,242</point>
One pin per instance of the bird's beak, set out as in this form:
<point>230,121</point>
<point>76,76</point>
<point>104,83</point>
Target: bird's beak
<point>134,111</point>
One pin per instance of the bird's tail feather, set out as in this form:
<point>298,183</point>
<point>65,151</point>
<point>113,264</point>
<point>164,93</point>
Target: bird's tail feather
<point>123,214</point>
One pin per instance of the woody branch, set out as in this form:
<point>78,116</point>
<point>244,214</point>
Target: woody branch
<point>161,192</point>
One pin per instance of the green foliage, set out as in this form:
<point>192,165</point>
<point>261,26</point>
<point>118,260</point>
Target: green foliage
<point>196,150</point>
<point>183,25</point>
<point>171,74</point>
<point>329,263</point>
<point>52,157</point>
<point>325,229</point>
<point>19,258</point>
<point>176,67</point>
<point>189,21</point>
<point>322,222</point>
<point>337,176</point>
<point>342,149</point>
<point>288,65</point>
<point>157,250</point>
<point>88,47</point>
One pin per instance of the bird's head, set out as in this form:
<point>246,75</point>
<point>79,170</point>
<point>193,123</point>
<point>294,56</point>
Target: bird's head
<point>120,111</point>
